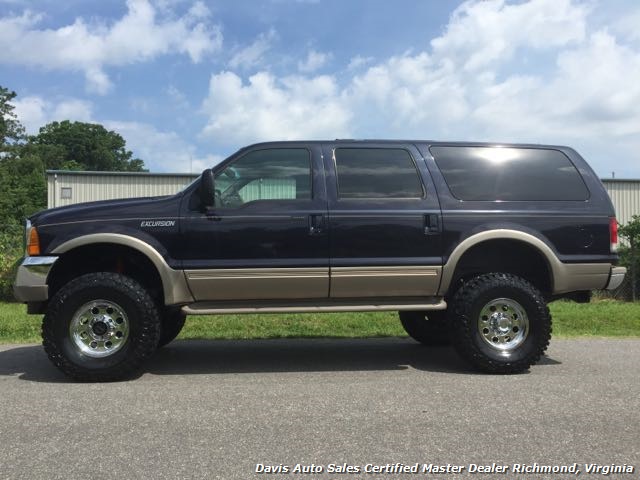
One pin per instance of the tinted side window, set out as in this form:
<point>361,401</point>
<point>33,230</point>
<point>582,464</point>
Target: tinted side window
<point>271,174</point>
<point>502,173</point>
<point>376,173</point>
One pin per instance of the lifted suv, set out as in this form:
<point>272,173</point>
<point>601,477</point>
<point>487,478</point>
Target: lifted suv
<point>467,241</point>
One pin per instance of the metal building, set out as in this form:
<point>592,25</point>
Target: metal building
<point>69,187</point>
<point>625,195</point>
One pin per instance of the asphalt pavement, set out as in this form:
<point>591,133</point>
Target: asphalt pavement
<point>226,409</point>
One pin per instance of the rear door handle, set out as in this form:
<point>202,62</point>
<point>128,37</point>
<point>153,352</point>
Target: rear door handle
<point>432,224</point>
<point>316,224</point>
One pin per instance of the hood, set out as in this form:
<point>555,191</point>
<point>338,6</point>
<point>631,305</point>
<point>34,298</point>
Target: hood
<point>109,209</point>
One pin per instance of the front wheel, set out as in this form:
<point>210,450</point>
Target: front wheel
<point>100,327</point>
<point>501,323</point>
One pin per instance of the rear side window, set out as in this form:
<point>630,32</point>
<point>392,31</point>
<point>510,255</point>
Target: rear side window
<point>377,173</point>
<point>502,173</point>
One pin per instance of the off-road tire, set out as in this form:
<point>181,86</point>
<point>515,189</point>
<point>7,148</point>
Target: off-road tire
<point>172,322</point>
<point>470,339</point>
<point>427,327</point>
<point>143,327</point>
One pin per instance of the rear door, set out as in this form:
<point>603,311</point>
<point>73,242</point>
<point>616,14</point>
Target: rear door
<point>384,220</point>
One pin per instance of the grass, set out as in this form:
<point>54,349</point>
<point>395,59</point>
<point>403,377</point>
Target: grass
<point>607,318</point>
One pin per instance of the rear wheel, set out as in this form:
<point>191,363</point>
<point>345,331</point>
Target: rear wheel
<point>100,327</point>
<point>501,323</point>
<point>427,327</point>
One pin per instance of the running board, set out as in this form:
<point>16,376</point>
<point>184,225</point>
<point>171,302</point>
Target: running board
<point>309,306</point>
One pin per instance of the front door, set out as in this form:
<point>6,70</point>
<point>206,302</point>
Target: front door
<point>384,219</point>
<point>265,238</point>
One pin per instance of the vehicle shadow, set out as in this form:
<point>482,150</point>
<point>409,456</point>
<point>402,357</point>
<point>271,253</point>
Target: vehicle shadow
<point>255,356</point>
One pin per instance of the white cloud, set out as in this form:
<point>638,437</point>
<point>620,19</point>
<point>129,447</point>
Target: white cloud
<point>178,98</point>
<point>407,96</point>
<point>161,151</point>
<point>268,108</point>
<point>482,33</point>
<point>358,62</point>
<point>97,81</point>
<point>314,61</point>
<point>586,97</point>
<point>140,35</point>
<point>31,113</point>
<point>253,55</point>
<point>475,82</point>
<point>73,109</point>
<point>35,112</point>
<point>627,25</point>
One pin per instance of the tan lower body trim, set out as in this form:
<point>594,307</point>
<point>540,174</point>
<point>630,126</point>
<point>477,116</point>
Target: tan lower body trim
<point>353,282</point>
<point>573,277</point>
<point>300,283</point>
<point>258,283</point>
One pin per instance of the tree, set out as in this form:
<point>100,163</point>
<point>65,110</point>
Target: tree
<point>22,193</point>
<point>11,130</point>
<point>23,190</point>
<point>629,254</point>
<point>23,161</point>
<point>83,146</point>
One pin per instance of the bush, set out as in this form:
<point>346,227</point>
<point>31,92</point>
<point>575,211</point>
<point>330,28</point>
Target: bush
<point>11,250</point>
<point>630,254</point>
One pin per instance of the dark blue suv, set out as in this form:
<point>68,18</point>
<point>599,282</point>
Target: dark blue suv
<point>468,241</point>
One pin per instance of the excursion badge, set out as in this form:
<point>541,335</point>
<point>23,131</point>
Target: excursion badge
<point>157,223</point>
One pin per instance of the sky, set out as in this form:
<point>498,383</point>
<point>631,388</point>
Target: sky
<point>187,83</point>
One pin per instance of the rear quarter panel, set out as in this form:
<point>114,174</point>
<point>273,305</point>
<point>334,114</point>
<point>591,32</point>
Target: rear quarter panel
<point>576,231</point>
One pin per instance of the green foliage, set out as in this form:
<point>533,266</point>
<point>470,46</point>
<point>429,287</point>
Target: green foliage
<point>631,231</point>
<point>61,145</point>
<point>11,247</point>
<point>85,146</point>
<point>629,254</point>
<point>604,319</point>
<point>11,130</point>
<point>22,189</point>
<point>600,318</point>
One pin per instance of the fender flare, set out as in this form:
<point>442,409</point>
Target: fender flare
<point>174,284</point>
<point>564,277</point>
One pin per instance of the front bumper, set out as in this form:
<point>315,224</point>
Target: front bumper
<point>31,279</point>
<point>616,277</point>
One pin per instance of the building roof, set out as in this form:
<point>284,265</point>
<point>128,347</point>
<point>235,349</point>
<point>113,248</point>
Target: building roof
<point>139,174</point>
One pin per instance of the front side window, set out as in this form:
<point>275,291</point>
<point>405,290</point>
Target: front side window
<point>270,174</point>
<point>376,173</point>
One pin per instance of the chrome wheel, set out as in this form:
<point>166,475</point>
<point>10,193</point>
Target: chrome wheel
<point>503,324</point>
<point>99,328</point>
